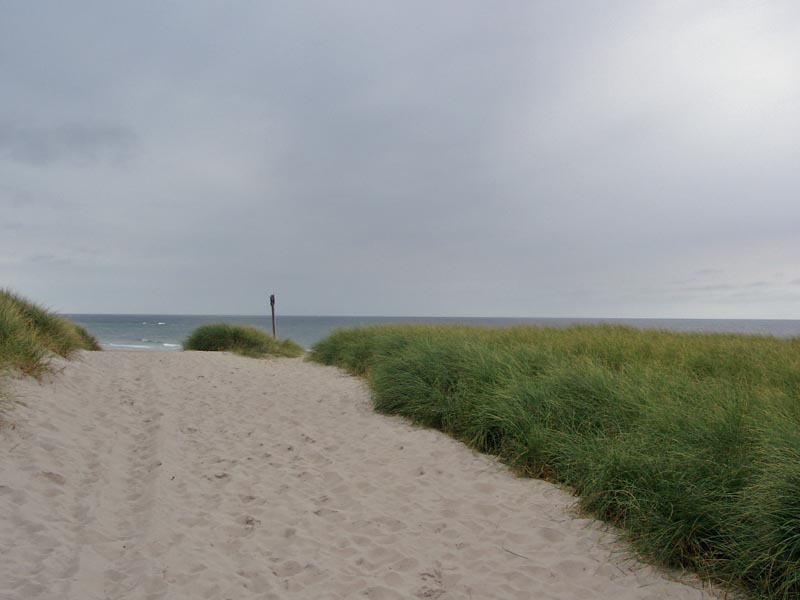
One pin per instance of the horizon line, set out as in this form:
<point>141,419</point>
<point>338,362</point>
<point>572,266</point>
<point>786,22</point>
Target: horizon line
<point>267,315</point>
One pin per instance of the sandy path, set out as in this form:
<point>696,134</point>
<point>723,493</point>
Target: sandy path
<point>193,475</point>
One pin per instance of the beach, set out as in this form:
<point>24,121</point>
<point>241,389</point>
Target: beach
<point>206,475</point>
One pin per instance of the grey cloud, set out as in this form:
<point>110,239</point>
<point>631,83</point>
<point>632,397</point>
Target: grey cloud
<point>706,273</point>
<point>543,158</point>
<point>11,225</point>
<point>71,142</point>
<point>12,197</point>
<point>763,296</point>
<point>36,260</point>
<point>46,258</point>
<point>67,256</point>
<point>29,206</point>
<point>699,274</point>
<point>722,287</point>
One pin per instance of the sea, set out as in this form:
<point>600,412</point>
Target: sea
<point>167,332</point>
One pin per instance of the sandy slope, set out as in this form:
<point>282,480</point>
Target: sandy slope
<point>193,475</point>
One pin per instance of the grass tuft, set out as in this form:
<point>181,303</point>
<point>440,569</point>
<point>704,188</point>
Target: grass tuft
<point>30,334</point>
<point>689,442</point>
<point>239,339</point>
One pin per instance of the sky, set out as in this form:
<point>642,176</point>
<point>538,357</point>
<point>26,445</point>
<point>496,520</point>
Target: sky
<point>442,158</point>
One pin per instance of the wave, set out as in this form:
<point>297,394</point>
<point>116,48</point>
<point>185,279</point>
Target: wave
<point>136,346</point>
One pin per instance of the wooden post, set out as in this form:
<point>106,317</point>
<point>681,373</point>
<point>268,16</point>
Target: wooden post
<point>272,305</point>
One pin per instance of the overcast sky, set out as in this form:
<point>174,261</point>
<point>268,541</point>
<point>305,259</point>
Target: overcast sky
<point>520,158</point>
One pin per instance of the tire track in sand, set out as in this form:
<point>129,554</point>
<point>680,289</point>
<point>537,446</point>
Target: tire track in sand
<point>92,467</point>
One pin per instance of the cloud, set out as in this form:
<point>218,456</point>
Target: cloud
<point>699,274</point>
<point>546,159</point>
<point>11,225</point>
<point>71,142</point>
<point>12,197</point>
<point>721,287</point>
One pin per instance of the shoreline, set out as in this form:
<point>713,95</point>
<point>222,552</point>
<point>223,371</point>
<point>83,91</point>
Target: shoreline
<point>307,331</point>
<point>206,475</point>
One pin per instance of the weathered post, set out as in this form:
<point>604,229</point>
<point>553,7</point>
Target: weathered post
<point>272,305</point>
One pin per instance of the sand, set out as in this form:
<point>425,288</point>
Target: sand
<point>206,475</point>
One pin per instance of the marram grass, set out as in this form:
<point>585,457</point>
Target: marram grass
<point>29,335</point>
<point>689,442</point>
<point>239,339</point>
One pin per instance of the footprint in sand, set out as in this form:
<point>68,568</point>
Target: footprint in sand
<point>54,477</point>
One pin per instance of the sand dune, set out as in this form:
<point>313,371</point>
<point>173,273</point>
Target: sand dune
<point>194,475</point>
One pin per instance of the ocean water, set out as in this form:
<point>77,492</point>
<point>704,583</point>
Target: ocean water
<point>167,332</point>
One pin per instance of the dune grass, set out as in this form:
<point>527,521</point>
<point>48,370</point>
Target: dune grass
<point>689,442</point>
<point>29,335</point>
<point>239,339</point>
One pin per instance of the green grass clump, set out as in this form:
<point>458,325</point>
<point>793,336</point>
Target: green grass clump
<point>29,334</point>
<point>244,340</point>
<point>689,442</point>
